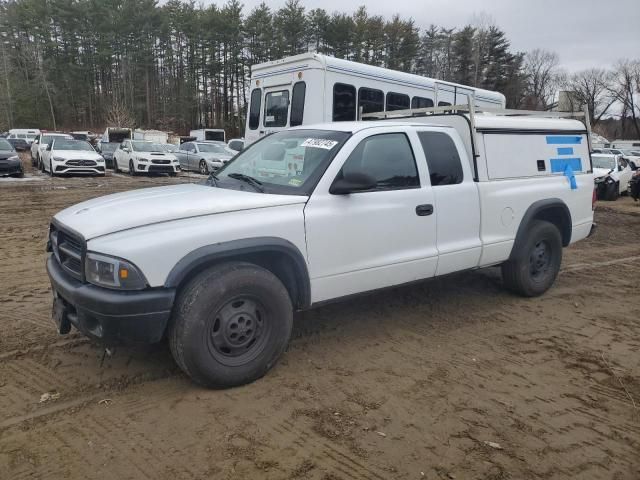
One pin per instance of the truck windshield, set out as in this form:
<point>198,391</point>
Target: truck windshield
<point>287,162</point>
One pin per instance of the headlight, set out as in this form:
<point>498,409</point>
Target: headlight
<point>142,159</point>
<point>14,158</point>
<point>100,160</point>
<point>59,159</point>
<point>112,272</point>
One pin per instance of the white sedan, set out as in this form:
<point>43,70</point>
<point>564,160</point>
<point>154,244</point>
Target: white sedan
<point>39,145</point>
<point>612,174</point>
<point>137,156</point>
<point>64,156</point>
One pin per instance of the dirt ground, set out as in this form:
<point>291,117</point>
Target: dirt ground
<point>450,379</point>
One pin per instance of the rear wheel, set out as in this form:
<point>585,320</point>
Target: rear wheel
<point>204,168</point>
<point>230,324</point>
<point>535,267</point>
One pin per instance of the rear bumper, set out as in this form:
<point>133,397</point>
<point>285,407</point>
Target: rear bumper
<point>110,316</point>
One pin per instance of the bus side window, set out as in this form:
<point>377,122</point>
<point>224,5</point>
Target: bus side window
<point>421,102</point>
<point>397,101</point>
<point>370,100</point>
<point>297,104</point>
<point>344,102</point>
<point>254,108</point>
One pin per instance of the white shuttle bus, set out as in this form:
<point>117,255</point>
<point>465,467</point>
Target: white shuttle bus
<point>313,88</point>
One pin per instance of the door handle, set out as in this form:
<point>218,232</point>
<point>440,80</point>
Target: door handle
<point>424,210</point>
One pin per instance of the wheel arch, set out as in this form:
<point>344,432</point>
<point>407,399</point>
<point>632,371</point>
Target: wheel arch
<point>552,210</point>
<point>279,256</point>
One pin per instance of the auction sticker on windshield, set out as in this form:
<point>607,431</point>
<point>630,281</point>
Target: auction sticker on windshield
<point>319,143</point>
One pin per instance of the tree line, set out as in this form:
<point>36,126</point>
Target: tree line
<point>181,65</point>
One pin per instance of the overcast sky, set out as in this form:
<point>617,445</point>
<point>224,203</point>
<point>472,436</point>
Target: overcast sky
<point>584,33</point>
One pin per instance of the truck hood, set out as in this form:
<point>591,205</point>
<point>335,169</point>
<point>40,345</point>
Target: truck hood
<point>137,208</point>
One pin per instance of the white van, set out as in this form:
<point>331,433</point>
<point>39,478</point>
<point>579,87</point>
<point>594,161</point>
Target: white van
<point>209,135</point>
<point>28,134</point>
<point>342,91</point>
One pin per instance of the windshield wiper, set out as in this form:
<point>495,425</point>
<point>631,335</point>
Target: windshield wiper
<point>255,183</point>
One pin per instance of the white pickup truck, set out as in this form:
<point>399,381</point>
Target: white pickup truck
<point>313,214</point>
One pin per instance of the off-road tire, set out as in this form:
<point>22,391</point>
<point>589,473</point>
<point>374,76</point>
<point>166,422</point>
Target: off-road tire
<point>205,305</point>
<point>523,273</point>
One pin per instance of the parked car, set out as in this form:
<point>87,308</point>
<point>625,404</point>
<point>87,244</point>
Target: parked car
<point>170,147</point>
<point>219,267</point>
<point>107,149</point>
<point>65,156</point>
<point>10,164</point>
<point>28,134</point>
<point>40,144</point>
<point>204,157</point>
<point>612,174</point>
<point>236,144</point>
<point>20,144</point>
<point>138,156</point>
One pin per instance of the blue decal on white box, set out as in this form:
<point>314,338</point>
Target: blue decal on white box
<point>558,165</point>
<point>564,140</point>
<point>565,151</point>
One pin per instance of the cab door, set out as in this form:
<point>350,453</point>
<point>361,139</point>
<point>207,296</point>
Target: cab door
<point>377,238</point>
<point>457,198</point>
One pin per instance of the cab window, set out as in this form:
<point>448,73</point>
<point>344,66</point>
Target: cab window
<point>344,102</point>
<point>442,158</point>
<point>276,108</point>
<point>388,158</point>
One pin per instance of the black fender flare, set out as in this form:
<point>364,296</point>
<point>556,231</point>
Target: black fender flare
<point>553,210</point>
<point>247,248</point>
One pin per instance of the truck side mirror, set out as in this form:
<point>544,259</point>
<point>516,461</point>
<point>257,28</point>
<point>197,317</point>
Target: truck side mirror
<point>352,182</point>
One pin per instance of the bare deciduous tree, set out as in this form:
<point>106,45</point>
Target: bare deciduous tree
<point>542,75</point>
<point>591,88</point>
<point>625,89</point>
<point>119,115</point>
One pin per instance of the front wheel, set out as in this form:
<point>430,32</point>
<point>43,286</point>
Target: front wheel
<point>51,169</point>
<point>535,267</point>
<point>230,325</point>
<point>115,165</point>
<point>132,170</point>
<point>204,168</point>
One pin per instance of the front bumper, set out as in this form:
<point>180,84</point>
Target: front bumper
<point>10,168</point>
<point>110,316</point>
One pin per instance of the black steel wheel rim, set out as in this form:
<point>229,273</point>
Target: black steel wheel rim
<point>239,330</point>
<point>540,260</point>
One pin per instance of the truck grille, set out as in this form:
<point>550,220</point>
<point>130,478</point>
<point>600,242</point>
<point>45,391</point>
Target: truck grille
<point>68,250</point>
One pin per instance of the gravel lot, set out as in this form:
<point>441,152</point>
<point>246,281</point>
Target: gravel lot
<point>450,379</point>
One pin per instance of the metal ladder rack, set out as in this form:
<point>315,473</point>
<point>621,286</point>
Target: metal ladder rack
<point>471,110</point>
